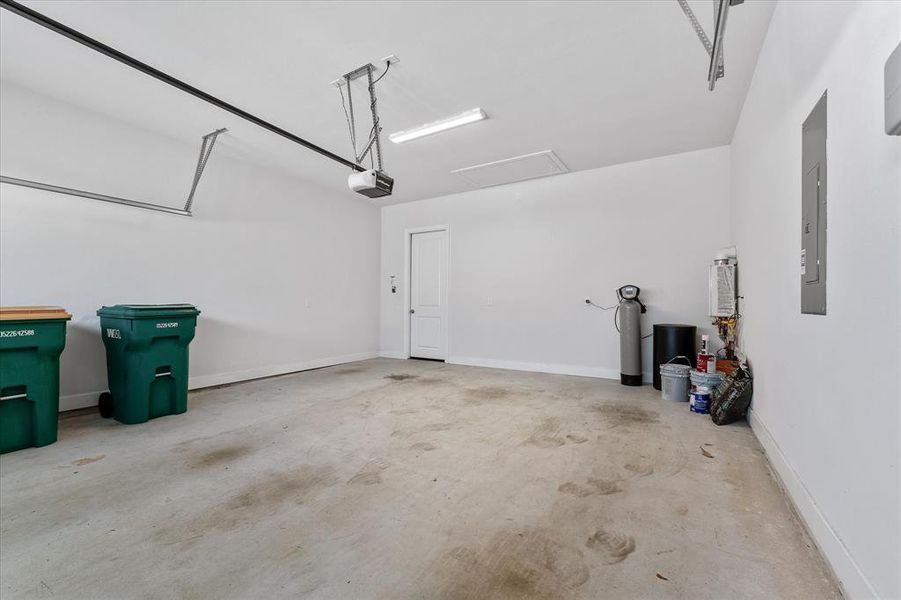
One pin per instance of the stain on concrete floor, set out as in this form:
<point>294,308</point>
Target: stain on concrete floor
<point>592,487</point>
<point>369,474</point>
<point>408,480</point>
<point>400,376</point>
<point>221,456</point>
<point>513,564</point>
<point>349,370</point>
<point>616,415</point>
<point>255,501</point>
<point>423,446</point>
<point>88,460</point>
<point>613,546</point>
<point>487,393</point>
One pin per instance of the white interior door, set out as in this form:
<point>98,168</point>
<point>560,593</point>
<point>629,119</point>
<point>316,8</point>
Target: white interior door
<point>428,295</point>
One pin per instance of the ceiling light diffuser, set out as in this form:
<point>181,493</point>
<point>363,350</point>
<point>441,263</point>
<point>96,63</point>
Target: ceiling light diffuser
<point>464,118</point>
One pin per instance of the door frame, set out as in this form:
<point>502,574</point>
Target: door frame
<point>408,288</point>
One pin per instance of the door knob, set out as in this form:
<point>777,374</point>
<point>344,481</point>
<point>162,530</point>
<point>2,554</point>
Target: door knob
<point>412,311</point>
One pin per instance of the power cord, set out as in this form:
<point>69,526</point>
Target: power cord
<point>387,66</point>
<point>589,302</point>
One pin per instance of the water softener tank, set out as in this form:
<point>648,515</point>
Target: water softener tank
<point>629,324</point>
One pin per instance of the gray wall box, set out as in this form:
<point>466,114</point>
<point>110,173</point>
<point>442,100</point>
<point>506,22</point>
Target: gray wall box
<point>813,211</point>
<point>893,93</point>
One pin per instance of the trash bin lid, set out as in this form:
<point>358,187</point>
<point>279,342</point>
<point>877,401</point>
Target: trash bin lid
<point>32,313</point>
<point>148,311</point>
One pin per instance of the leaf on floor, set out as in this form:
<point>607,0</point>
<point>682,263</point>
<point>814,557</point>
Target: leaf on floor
<point>705,453</point>
<point>659,576</point>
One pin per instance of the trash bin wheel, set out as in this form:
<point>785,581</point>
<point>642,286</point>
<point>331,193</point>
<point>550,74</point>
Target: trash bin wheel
<point>105,405</point>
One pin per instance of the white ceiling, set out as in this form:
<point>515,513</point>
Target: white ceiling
<point>599,83</point>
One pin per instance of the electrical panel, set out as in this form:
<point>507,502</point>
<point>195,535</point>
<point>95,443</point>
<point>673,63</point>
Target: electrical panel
<point>893,92</point>
<point>813,211</point>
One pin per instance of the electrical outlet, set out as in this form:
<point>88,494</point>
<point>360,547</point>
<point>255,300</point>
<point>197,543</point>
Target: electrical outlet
<point>587,300</point>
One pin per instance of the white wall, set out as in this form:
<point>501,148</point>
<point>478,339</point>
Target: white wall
<point>537,248</point>
<point>827,387</point>
<point>285,273</point>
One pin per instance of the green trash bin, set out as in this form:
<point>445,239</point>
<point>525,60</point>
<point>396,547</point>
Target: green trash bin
<point>146,359</point>
<point>31,340</point>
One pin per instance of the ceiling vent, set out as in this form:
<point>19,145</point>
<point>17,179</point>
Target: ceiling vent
<point>510,170</point>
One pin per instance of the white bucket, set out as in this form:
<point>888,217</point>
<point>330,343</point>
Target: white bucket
<point>710,381</point>
<point>674,382</point>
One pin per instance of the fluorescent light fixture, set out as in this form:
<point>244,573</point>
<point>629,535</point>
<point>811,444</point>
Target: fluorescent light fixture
<point>464,118</point>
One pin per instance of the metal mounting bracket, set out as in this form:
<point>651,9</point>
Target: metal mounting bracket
<point>715,48</point>
<point>206,148</point>
<point>374,142</point>
<point>375,135</point>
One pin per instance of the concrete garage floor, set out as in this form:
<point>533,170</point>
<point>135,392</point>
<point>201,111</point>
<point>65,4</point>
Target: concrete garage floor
<point>404,479</point>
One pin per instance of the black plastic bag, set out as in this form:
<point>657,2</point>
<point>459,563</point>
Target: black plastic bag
<point>731,399</point>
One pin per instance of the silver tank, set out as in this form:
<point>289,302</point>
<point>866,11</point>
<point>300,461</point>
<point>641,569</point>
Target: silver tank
<point>630,342</point>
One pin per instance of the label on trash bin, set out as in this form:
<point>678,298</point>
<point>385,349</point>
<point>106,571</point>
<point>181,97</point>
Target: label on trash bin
<point>166,325</point>
<point>17,333</point>
<point>113,334</point>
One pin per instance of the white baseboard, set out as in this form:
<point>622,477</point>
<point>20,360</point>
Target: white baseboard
<point>203,381</point>
<point>76,401</point>
<point>556,369</point>
<point>514,365</point>
<point>88,399</point>
<point>854,583</point>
